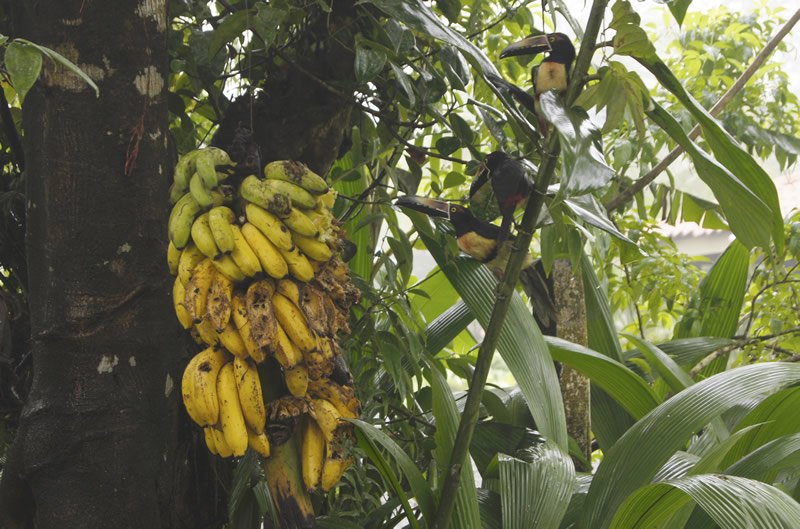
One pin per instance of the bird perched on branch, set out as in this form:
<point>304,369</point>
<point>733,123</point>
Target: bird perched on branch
<point>551,74</point>
<point>479,239</point>
<point>512,183</point>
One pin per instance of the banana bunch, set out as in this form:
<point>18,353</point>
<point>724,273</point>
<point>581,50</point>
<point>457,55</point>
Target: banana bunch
<point>259,284</point>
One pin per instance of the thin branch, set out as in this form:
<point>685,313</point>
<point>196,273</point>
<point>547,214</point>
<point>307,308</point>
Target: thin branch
<point>742,342</point>
<point>734,90</point>
<point>469,417</point>
<point>12,135</point>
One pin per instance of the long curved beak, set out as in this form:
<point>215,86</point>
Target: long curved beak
<point>528,46</point>
<point>428,206</point>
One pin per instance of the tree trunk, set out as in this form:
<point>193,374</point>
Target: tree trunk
<point>98,439</point>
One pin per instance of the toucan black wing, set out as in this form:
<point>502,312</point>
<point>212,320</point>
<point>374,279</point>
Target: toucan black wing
<point>520,96</point>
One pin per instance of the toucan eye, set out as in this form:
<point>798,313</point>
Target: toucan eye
<point>551,39</point>
<point>452,209</point>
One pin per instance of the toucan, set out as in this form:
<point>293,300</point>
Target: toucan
<point>512,183</point>
<point>551,74</point>
<point>479,239</point>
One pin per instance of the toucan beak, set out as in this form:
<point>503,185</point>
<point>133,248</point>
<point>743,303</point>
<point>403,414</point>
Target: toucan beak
<point>428,206</point>
<point>528,46</point>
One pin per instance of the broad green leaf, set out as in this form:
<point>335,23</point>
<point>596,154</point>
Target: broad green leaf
<point>24,63</point>
<point>520,343</point>
<point>678,9</point>
<point>465,511</point>
<point>535,490</point>
<point>63,61</point>
<point>637,455</point>
<point>675,377</point>
<point>368,62</point>
<point>492,438</point>
<point>762,463</point>
<point>733,503</point>
<point>361,263</point>
<point>491,511</point>
<point>446,327</point>
<point>688,351</point>
<point>369,436</point>
<point>231,27</point>
<point>584,167</point>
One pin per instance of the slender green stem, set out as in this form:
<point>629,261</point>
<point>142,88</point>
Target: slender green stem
<point>506,289</point>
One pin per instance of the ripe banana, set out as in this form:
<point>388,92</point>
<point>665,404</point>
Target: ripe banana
<point>199,192</point>
<point>190,257</point>
<point>298,196</point>
<point>231,340</point>
<point>290,289</point>
<point>258,442</point>
<point>254,190</point>
<point>343,397</point>
<point>220,298</point>
<point>248,385</point>
<point>209,436</point>
<point>298,222</point>
<point>204,368</point>
<point>286,353</point>
<point>179,226</point>
<point>227,267</point>
<point>197,289</point>
<point>294,323</point>
<point>220,219</point>
<point>222,195</point>
<point>333,469</point>
<point>297,173</point>
<point>326,201</point>
<point>219,442</point>
<point>178,296</point>
<point>173,258</point>
<point>243,255</point>
<point>272,228</point>
<point>298,263</point>
<point>268,255</point>
<point>231,418</point>
<point>260,314</point>
<point>312,454</point>
<point>313,248</point>
<point>203,238</point>
<point>327,416</point>
<point>319,310</point>
<point>205,329</point>
<point>239,315</point>
<point>189,395</point>
<point>297,380</point>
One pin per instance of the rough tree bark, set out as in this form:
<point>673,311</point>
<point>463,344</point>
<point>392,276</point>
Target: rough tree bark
<point>98,439</point>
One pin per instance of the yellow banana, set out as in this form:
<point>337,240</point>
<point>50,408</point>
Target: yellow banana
<point>220,298</point>
<point>227,267</point>
<point>297,380</point>
<point>313,248</point>
<point>205,383</point>
<point>299,266</point>
<point>294,323</point>
<point>220,220</point>
<point>333,469</point>
<point>184,170</point>
<point>219,442</point>
<point>203,238</point>
<point>286,353</point>
<point>178,296</point>
<point>231,418</point>
<point>299,223</point>
<point>327,416</point>
<point>260,314</point>
<point>343,397</point>
<point>270,225</point>
<point>209,435</point>
<point>179,226</point>
<point>190,395</point>
<point>258,442</point>
<point>298,196</point>
<point>298,174</point>
<point>327,200</point>
<point>231,340</point>
<point>243,255</point>
<point>312,454</point>
<point>190,256</point>
<point>248,385</point>
<point>197,289</point>
<point>268,255</point>
<point>239,315</point>
<point>205,329</point>
<point>256,191</point>
<point>173,258</point>
<point>290,289</point>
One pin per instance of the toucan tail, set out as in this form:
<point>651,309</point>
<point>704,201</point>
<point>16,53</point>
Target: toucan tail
<point>538,289</point>
<point>521,96</point>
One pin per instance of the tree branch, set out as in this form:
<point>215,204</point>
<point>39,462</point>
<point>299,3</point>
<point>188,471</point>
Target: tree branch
<point>505,291</point>
<point>737,87</point>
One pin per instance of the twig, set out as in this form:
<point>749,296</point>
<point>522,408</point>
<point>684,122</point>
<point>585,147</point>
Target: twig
<point>12,135</point>
<point>640,184</point>
<point>469,417</point>
<point>743,342</point>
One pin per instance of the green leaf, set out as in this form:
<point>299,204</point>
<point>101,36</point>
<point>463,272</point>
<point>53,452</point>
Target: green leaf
<point>678,9</point>
<point>368,63</point>
<point>230,28</point>
<point>535,492</point>
<point>446,327</point>
<point>369,436</point>
<point>66,63</point>
<point>492,438</point>
<point>24,63</point>
<point>638,455</point>
<point>450,8</point>
<point>732,502</point>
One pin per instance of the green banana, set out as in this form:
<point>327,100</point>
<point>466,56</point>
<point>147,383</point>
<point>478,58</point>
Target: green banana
<point>299,196</point>
<point>181,218</point>
<point>199,192</point>
<point>253,190</point>
<point>298,174</point>
<point>204,168</point>
<point>203,237</point>
<point>220,220</point>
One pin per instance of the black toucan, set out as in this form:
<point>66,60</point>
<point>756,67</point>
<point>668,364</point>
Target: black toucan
<point>551,74</point>
<point>479,239</point>
<point>512,183</point>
